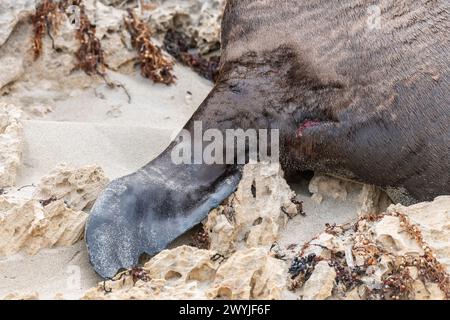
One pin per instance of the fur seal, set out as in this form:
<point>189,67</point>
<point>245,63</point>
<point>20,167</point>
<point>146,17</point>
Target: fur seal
<point>367,104</point>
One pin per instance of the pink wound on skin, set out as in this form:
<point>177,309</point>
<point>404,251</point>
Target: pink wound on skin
<point>305,125</point>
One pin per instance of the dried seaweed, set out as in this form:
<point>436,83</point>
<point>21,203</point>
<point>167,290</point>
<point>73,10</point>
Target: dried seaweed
<point>46,202</point>
<point>184,49</point>
<point>430,269</point>
<point>396,283</point>
<point>302,268</point>
<point>47,19</point>
<point>90,55</point>
<point>139,274</point>
<point>299,205</point>
<point>201,240</point>
<point>154,65</point>
<point>44,20</point>
<point>348,277</point>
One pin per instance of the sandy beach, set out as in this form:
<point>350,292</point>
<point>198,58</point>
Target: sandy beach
<point>64,134</point>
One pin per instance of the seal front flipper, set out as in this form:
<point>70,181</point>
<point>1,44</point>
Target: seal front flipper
<point>144,212</point>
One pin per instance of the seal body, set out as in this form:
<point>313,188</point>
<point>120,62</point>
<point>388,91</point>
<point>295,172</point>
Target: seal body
<point>363,102</point>
<point>378,95</point>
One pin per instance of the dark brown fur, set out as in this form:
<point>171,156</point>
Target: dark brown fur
<point>382,95</point>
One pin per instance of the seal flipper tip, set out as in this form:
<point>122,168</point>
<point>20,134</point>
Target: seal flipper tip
<point>144,212</point>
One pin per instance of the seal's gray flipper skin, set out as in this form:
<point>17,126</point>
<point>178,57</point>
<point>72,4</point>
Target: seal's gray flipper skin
<point>144,212</point>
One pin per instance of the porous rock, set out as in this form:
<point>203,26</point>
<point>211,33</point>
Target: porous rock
<point>53,217</point>
<point>250,274</point>
<point>255,214</point>
<point>198,19</point>
<point>180,273</point>
<point>53,77</point>
<point>370,199</point>
<point>320,285</point>
<point>78,187</point>
<point>433,218</point>
<point>191,273</point>
<point>30,226</point>
<point>12,69</point>
<point>400,254</point>
<point>390,234</point>
<point>11,13</point>
<point>110,30</point>
<point>11,144</point>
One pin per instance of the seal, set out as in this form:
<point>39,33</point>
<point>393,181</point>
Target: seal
<point>354,96</point>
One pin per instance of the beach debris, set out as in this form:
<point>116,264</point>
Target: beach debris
<point>401,254</point>
<point>303,266</point>
<point>90,54</point>
<point>185,50</point>
<point>46,18</point>
<point>244,261</point>
<point>154,65</point>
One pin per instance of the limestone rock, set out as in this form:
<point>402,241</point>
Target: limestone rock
<point>52,78</point>
<point>114,37</point>
<point>320,285</point>
<point>400,254</point>
<point>16,296</point>
<point>190,273</point>
<point>433,218</point>
<point>370,198</point>
<point>322,186</point>
<point>30,226</point>
<point>429,291</point>
<point>12,69</point>
<point>181,273</point>
<point>78,187</point>
<point>11,13</point>
<point>390,234</point>
<point>199,19</point>
<point>255,214</point>
<point>11,144</point>
<point>249,274</point>
<point>373,200</point>
<point>183,264</point>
